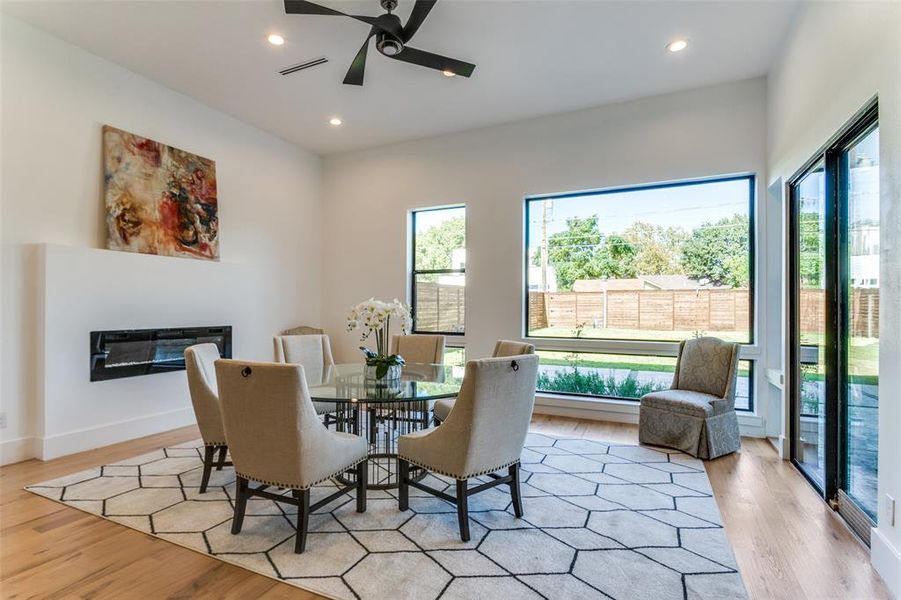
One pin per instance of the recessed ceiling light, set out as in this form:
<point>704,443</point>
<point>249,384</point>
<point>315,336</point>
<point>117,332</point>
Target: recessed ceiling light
<point>335,121</point>
<point>677,45</point>
<point>448,73</point>
<point>275,39</point>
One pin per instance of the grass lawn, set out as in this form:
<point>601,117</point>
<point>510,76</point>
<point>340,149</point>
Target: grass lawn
<point>863,359</point>
<point>632,362</point>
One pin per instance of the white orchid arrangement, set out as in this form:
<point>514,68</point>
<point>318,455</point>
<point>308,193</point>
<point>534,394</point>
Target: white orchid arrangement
<point>374,317</point>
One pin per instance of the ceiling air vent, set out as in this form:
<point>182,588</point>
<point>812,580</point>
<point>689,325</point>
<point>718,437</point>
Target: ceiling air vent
<point>304,65</point>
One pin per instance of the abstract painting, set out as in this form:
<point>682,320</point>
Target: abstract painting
<point>159,199</point>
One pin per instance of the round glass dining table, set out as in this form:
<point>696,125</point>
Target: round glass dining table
<point>383,410</point>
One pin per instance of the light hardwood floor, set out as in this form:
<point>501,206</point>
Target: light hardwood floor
<point>789,544</point>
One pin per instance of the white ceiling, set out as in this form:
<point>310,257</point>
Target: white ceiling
<point>533,58</point>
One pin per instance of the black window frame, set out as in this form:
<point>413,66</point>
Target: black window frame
<point>595,345</point>
<point>414,271</point>
<point>752,246</point>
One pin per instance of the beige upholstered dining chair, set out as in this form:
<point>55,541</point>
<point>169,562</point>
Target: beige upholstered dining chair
<point>483,434</point>
<point>697,414</point>
<point>200,366</point>
<point>419,348</point>
<point>303,330</point>
<point>276,439</point>
<point>314,352</point>
<point>443,407</point>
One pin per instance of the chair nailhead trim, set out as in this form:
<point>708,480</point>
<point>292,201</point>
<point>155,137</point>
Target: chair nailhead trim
<point>292,486</point>
<point>455,476</point>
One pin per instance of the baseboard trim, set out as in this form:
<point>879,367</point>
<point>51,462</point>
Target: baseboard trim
<point>886,559</point>
<point>17,450</point>
<point>80,440</point>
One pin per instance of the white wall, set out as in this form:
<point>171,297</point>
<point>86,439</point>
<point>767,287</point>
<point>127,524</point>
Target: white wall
<point>55,98</point>
<point>705,132</point>
<point>838,57</point>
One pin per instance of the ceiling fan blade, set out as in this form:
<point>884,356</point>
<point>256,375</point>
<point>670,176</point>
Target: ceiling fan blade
<point>434,61</point>
<point>358,66</point>
<point>302,7</point>
<point>420,12</point>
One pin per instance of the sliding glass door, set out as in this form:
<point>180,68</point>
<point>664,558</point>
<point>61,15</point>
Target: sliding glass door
<point>834,245</point>
<point>860,167</point>
<point>813,230</point>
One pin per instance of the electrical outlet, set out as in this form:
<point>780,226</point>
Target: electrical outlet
<point>889,510</point>
<point>2,420</point>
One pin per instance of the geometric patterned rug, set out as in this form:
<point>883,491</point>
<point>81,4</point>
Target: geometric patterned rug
<point>601,521</point>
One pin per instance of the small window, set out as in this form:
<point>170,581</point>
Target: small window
<point>438,277</point>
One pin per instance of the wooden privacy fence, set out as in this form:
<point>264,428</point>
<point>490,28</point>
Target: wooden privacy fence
<point>863,311</point>
<point>657,310</point>
<point>439,307</point>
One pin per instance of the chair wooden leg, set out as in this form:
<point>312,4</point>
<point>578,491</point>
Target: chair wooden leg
<point>403,488</point>
<point>303,519</point>
<point>514,490</point>
<point>208,452</point>
<point>362,484</point>
<point>463,509</point>
<point>221,463</point>
<point>240,504</point>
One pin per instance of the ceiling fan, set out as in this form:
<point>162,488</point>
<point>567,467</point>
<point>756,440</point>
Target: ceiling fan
<point>390,38</point>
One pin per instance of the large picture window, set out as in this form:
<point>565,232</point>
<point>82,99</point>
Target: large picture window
<point>438,277</point>
<point>616,277</point>
<point>654,263</point>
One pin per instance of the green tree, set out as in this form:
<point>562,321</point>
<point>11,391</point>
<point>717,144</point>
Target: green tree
<point>719,251</point>
<point>658,249</point>
<point>582,252</point>
<point>810,259</point>
<point>435,245</point>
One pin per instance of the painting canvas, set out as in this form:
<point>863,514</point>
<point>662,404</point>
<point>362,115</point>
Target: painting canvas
<point>159,199</point>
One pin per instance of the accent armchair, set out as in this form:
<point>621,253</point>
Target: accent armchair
<point>277,439</point>
<point>200,367</point>
<point>443,407</point>
<point>697,414</point>
<point>484,434</point>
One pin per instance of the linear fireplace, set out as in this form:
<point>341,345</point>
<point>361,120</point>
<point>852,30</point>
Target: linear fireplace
<point>134,352</point>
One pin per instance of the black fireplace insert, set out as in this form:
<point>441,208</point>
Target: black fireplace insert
<point>134,352</point>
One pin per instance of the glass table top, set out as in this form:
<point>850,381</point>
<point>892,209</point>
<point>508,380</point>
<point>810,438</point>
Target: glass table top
<point>347,383</point>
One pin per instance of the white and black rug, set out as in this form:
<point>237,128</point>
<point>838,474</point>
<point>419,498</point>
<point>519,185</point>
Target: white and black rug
<point>601,521</point>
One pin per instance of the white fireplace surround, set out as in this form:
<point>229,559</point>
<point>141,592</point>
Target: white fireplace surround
<point>86,289</point>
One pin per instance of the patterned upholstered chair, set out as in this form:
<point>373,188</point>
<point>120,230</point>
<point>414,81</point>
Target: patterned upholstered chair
<point>276,439</point>
<point>443,407</point>
<point>697,414</point>
<point>200,366</point>
<point>483,434</point>
<point>314,352</point>
<point>419,348</point>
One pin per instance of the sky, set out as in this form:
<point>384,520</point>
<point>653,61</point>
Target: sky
<point>687,206</point>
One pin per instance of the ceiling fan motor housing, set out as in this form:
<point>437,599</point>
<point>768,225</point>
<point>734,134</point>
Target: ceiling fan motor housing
<point>389,40</point>
<point>388,45</point>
